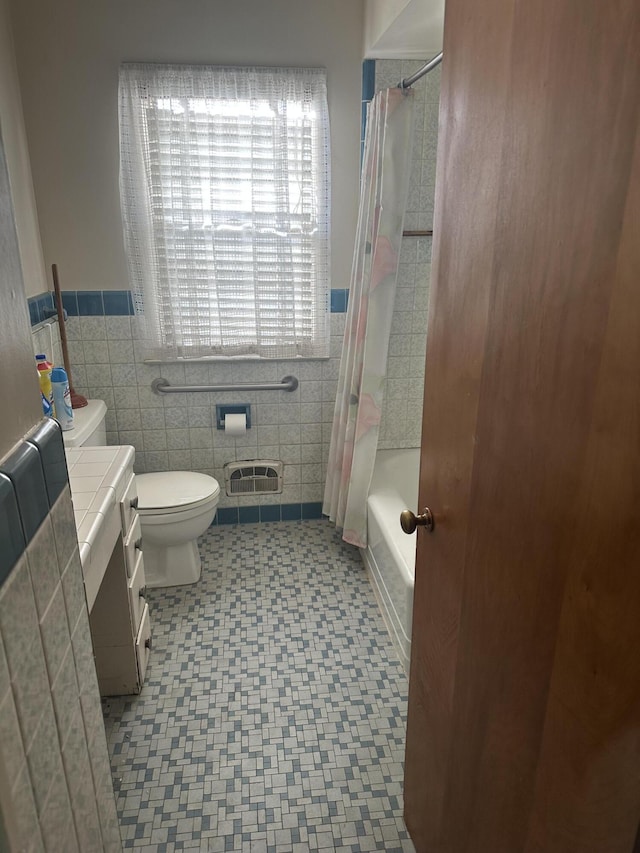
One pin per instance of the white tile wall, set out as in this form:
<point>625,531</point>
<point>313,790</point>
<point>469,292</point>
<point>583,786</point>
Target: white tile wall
<point>53,751</point>
<point>402,411</point>
<point>179,431</point>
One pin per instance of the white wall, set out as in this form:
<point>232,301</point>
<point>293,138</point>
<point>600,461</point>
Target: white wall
<point>17,156</point>
<point>19,385</point>
<point>379,15</point>
<point>411,29</point>
<point>68,57</point>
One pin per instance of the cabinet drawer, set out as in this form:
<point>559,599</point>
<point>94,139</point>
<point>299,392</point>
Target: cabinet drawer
<point>136,594</point>
<point>129,503</point>
<point>143,643</point>
<point>133,546</point>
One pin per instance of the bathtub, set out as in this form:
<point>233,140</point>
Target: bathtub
<point>390,556</point>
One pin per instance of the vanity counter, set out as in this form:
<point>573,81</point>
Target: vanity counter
<point>98,477</point>
<point>104,493</point>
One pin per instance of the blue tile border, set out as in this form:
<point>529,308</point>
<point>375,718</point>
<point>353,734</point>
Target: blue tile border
<point>32,477</point>
<point>41,307</point>
<point>70,302</point>
<point>226,515</point>
<point>291,512</point>
<point>12,541</point>
<point>368,91</point>
<point>339,301</point>
<point>119,303</point>
<point>25,470</point>
<point>311,510</point>
<point>90,303</point>
<point>270,512</point>
<point>47,439</point>
<point>248,514</point>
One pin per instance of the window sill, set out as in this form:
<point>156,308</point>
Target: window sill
<point>233,359</point>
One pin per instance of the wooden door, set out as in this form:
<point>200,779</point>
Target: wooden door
<point>524,701</point>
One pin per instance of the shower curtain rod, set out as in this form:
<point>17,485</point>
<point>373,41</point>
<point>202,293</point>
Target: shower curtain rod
<point>426,68</point>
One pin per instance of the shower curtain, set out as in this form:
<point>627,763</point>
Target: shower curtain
<point>356,422</point>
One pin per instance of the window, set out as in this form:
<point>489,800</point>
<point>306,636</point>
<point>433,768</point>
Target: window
<point>224,181</point>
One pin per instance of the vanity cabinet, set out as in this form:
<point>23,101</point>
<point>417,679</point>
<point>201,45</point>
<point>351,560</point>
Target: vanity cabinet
<point>113,565</point>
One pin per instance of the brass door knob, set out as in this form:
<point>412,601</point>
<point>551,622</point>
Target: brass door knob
<point>409,521</point>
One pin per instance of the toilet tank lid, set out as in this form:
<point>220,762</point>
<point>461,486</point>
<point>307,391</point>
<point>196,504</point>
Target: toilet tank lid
<point>85,422</point>
<point>166,489</point>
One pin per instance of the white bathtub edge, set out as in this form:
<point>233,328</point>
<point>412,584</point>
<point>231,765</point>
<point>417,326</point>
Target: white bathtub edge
<point>401,643</point>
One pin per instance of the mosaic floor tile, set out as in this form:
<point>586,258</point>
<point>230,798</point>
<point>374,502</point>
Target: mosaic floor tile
<point>273,715</point>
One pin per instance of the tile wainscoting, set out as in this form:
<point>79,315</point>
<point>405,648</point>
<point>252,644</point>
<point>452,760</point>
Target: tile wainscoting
<point>178,431</point>
<point>57,792</point>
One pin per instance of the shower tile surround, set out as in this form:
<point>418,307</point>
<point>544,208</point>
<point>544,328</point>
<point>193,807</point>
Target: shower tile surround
<point>53,754</point>
<point>273,716</point>
<point>401,423</point>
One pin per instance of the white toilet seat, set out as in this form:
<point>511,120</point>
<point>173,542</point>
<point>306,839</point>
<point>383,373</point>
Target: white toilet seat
<point>169,492</point>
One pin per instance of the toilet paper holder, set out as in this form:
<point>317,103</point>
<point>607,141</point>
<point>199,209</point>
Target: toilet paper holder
<point>224,409</point>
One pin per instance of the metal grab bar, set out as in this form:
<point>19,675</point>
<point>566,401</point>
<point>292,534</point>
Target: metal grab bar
<point>162,386</point>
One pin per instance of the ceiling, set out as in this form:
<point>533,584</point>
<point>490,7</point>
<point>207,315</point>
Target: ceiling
<point>403,29</point>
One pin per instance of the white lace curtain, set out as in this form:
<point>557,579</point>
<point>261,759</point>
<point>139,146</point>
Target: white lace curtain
<point>224,183</point>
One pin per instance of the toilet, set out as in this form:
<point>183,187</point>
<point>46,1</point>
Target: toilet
<point>175,507</point>
<point>89,429</point>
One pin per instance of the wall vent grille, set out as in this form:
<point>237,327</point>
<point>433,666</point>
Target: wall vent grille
<point>253,477</point>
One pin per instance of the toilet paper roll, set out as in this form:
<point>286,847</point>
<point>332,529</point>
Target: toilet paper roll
<point>235,424</point>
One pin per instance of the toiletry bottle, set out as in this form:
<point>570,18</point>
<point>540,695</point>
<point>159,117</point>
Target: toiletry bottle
<point>46,389</point>
<point>62,398</point>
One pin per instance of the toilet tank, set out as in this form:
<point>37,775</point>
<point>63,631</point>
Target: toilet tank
<point>89,428</point>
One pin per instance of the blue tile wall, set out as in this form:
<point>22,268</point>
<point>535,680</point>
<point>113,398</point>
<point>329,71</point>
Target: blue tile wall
<point>24,468</point>
<point>291,512</point>
<point>70,302</point>
<point>90,303</point>
<point>226,515</point>
<point>270,512</point>
<point>32,478</point>
<point>368,91</point>
<point>339,301</point>
<point>248,514</point>
<point>311,510</point>
<point>117,303</point>
<point>12,541</point>
<point>47,439</point>
<point>41,307</point>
